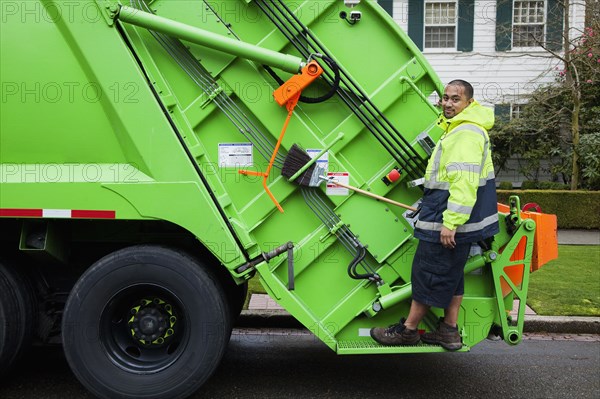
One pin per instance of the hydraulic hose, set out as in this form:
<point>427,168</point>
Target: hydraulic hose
<point>314,100</point>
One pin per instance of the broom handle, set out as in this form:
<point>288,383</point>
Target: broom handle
<point>368,194</point>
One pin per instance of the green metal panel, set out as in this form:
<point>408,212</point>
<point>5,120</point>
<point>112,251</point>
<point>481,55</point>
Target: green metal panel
<point>217,42</point>
<point>504,14</point>
<point>78,116</point>
<point>161,150</point>
<point>466,19</point>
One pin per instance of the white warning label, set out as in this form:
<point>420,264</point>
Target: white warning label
<point>341,177</point>
<point>235,155</point>
<point>323,161</point>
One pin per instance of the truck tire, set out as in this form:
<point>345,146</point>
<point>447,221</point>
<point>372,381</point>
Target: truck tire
<point>145,322</point>
<point>17,315</point>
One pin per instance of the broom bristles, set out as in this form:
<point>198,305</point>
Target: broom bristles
<point>294,161</point>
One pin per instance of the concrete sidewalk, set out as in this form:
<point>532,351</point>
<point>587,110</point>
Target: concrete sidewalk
<point>265,312</point>
<point>579,237</point>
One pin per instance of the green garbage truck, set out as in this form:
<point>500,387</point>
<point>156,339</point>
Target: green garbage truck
<point>142,147</point>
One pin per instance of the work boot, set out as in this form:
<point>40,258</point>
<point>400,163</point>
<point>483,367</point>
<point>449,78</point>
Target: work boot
<point>445,335</point>
<point>396,334</point>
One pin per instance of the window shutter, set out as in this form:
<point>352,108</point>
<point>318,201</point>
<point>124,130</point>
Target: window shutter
<point>554,25</point>
<point>466,16</point>
<point>502,112</point>
<point>504,10</point>
<point>387,5</point>
<point>416,21</point>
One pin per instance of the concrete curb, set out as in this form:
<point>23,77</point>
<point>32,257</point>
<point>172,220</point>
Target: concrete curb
<point>533,324</point>
<point>562,324</point>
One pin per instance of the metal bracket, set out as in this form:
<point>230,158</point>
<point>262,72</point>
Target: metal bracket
<point>109,10</point>
<point>513,219</point>
<point>211,96</point>
<point>426,142</point>
<point>290,259</point>
<point>515,253</point>
<point>266,256</point>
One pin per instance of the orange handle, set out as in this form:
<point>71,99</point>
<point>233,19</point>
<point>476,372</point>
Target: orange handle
<point>290,107</point>
<point>250,172</point>
<point>288,94</point>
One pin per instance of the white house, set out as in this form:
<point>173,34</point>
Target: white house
<point>493,44</point>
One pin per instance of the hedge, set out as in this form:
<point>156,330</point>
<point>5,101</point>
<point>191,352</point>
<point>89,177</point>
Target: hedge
<point>574,209</point>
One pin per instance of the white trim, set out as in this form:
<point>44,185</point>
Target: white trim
<point>442,50</point>
<point>440,25</point>
<point>544,25</point>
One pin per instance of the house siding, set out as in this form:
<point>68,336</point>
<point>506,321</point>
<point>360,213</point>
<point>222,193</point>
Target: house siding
<point>498,77</point>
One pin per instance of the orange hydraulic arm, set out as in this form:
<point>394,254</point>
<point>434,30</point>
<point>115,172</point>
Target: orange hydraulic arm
<point>288,94</point>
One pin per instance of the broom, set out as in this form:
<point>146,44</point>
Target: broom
<point>299,167</point>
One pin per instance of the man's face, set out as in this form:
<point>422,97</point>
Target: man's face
<point>454,101</point>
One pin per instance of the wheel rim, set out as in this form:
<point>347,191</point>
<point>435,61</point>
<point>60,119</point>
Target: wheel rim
<point>143,328</point>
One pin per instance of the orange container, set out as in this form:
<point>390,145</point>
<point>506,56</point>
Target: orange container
<point>545,246</point>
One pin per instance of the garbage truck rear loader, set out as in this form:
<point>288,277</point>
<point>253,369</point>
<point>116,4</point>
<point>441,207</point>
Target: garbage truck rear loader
<point>141,151</point>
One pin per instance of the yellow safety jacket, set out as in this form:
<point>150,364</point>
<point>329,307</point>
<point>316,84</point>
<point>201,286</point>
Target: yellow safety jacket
<point>460,186</point>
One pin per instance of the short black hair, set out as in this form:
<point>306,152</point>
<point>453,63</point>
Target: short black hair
<point>465,85</point>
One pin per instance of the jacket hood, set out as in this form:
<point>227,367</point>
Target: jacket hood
<point>474,113</point>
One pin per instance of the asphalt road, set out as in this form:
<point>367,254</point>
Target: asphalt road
<point>293,364</point>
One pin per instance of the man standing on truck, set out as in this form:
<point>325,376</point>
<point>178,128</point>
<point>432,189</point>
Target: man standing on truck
<point>458,209</point>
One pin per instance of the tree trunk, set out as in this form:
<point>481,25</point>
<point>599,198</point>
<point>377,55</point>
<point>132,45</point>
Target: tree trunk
<point>572,84</point>
<point>575,133</point>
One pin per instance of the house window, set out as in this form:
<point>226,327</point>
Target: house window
<point>515,111</point>
<point>529,18</point>
<point>440,24</point>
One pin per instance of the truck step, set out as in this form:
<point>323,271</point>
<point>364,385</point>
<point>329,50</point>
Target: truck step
<point>369,348</point>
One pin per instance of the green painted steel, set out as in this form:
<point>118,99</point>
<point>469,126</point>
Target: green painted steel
<point>215,41</point>
<point>104,114</point>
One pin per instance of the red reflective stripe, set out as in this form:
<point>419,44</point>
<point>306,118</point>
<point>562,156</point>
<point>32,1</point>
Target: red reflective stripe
<point>27,213</point>
<point>93,214</point>
<point>38,213</point>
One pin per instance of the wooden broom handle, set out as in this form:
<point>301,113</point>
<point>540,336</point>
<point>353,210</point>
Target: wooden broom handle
<point>368,194</point>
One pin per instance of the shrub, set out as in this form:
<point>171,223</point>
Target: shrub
<point>529,185</point>
<point>541,185</point>
<point>550,185</point>
<point>505,185</point>
<point>574,209</point>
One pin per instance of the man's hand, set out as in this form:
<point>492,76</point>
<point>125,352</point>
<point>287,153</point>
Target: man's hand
<point>447,237</point>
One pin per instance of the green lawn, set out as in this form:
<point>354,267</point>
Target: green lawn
<point>567,286</point>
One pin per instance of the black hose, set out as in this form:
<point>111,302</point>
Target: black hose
<point>314,100</point>
<point>360,255</point>
<point>370,116</point>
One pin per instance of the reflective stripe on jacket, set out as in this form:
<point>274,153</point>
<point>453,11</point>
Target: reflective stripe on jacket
<point>460,186</point>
